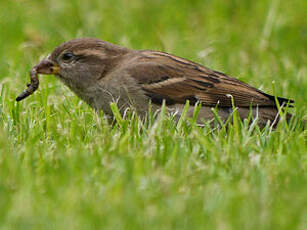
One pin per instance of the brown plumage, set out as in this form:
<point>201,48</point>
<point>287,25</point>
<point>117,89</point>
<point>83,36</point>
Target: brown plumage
<point>100,73</point>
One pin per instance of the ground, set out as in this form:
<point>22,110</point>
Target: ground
<point>63,167</point>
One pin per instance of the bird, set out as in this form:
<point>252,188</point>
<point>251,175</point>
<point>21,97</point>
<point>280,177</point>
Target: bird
<point>101,73</point>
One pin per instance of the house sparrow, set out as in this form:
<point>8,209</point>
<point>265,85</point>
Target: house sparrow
<point>100,73</point>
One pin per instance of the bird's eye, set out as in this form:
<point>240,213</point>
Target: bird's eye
<point>67,56</point>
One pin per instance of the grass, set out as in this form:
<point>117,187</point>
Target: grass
<point>63,167</point>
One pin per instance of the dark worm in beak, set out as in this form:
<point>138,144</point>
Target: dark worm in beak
<point>44,67</point>
<point>32,87</point>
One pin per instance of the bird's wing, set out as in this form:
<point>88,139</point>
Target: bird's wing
<point>166,77</point>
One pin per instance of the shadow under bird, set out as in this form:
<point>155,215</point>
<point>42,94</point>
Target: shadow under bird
<point>100,73</point>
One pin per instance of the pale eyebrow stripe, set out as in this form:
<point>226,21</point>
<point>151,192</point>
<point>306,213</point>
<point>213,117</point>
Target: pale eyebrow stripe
<point>91,52</point>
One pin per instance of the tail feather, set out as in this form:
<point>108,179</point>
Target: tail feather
<point>281,100</point>
<point>285,101</point>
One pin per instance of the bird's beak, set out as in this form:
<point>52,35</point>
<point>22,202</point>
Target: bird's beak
<point>46,66</point>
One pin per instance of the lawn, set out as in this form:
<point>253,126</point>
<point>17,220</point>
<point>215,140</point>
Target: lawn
<point>62,166</point>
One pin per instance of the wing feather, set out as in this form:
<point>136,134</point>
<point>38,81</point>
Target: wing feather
<point>164,76</point>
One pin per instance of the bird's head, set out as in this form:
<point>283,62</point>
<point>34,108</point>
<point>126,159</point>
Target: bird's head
<point>80,63</point>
